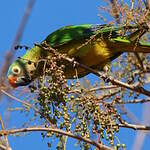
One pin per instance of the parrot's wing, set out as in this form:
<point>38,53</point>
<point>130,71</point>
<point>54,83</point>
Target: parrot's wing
<point>78,32</point>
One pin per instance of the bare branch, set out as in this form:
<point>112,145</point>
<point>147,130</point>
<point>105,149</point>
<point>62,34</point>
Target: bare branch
<point>17,99</point>
<point>14,131</point>
<point>134,126</point>
<point>134,101</point>
<point>129,114</point>
<point>140,136</point>
<point>95,89</point>
<point>3,128</point>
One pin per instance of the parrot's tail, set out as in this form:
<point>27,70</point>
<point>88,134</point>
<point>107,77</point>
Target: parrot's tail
<point>141,47</point>
<point>125,45</point>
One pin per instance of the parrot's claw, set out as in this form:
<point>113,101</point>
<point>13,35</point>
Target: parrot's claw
<point>73,62</point>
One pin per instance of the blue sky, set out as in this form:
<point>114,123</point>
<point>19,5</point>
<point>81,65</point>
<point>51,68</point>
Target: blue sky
<point>46,17</point>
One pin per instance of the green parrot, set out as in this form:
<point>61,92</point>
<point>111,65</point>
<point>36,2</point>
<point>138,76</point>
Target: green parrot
<point>92,45</point>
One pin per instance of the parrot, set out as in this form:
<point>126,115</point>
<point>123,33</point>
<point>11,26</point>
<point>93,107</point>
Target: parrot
<point>93,45</point>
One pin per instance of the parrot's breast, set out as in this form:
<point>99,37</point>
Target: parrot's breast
<point>90,54</point>
<point>97,53</point>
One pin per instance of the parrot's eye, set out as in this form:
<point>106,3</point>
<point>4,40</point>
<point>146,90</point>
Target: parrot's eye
<point>16,70</point>
<point>29,62</point>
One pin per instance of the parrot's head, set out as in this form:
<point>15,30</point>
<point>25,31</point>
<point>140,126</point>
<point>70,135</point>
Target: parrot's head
<point>20,72</point>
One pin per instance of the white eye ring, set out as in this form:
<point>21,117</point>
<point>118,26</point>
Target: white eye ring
<point>16,70</point>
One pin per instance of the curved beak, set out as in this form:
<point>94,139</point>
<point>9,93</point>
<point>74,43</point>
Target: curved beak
<point>18,81</point>
<point>12,80</point>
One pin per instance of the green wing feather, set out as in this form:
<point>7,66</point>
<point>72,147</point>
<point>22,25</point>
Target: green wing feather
<point>77,33</point>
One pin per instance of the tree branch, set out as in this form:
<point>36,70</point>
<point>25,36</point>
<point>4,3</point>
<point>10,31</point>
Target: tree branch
<point>134,101</point>
<point>3,128</point>
<point>14,131</point>
<point>134,126</point>
<point>108,87</point>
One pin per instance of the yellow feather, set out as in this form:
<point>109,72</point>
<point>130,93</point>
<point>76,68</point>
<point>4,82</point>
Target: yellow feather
<point>97,53</point>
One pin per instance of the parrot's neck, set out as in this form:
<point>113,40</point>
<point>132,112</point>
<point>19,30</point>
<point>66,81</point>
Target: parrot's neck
<point>35,54</point>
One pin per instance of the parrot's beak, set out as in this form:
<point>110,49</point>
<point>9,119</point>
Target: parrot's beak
<point>18,81</point>
<point>12,80</point>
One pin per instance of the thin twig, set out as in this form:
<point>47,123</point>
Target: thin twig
<point>117,19</point>
<point>2,147</point>
<point>14,131</point>
<point>17,99</point>
<point>134,126</point>
<point>102,98</point>
<point>140,136</point>
<point>115,10</point>
<point>3,128</point>
<point>108,87</point>
<point>28,105</point>
<point>134,101</point>
<point>128,114</point>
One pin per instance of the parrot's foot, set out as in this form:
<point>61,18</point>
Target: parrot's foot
<point>73,62</point>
